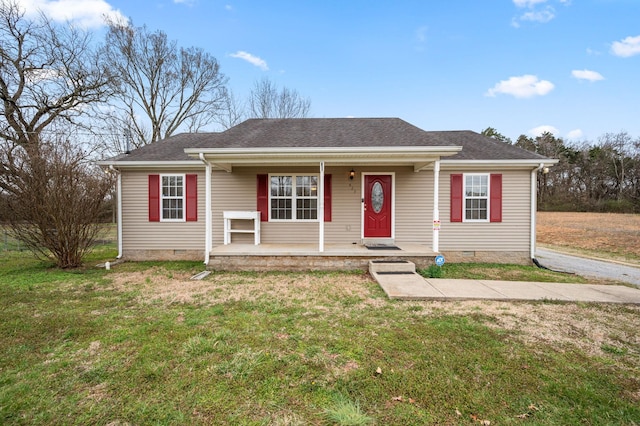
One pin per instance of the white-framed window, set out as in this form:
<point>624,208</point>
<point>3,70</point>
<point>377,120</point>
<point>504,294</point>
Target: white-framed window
<point>476,197</point>
<point>172,198</point>
<point>293,197</point>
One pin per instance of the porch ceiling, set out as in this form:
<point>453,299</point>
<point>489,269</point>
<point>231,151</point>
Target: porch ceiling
<point>418,157</point>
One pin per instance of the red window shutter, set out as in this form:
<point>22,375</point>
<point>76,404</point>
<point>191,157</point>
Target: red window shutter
<point>456,198</point>
<point>495,202</point>
<point>191,191</point>
<point>263,197</point>
<point>327,198</point>
<point>154,198</point>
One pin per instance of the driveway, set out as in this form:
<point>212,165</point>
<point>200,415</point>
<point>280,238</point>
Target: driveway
<point>588,267</point>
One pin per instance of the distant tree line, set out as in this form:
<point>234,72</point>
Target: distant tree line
<point>594,176</point>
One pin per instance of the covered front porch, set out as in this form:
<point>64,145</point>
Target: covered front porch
<point>307,256</point>
<point>342,240</point>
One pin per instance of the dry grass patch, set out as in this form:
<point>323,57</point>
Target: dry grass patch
<point>591,328</point>
<point>313,289</point>
<point>595,233</point>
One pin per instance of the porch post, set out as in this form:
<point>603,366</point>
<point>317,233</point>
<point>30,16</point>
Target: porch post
<point>321,209</point>
<point>208,242</point>
<point>436,207</point>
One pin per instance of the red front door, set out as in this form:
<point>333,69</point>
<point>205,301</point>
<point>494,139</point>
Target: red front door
<point>377,206</point>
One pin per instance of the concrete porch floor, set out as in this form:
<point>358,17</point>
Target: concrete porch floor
<point>308,257</point>
<point>312,250</point>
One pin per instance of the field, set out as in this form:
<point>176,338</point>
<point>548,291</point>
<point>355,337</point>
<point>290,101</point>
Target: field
<point>144,344</point>
<point>605,235</point>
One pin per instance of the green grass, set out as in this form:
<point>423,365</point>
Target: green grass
<point>74,350</point>
<point>506,272</point>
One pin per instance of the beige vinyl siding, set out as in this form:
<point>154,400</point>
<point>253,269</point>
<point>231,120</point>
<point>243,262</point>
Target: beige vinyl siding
<point>238,191</point>
<point>413,211</point>
<point>344,227</point>
<point>414,206</point>
<point>413,200</point>
<point>512,234</point>
<point>140,234</point>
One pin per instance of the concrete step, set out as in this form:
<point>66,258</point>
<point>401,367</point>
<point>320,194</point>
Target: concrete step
<point>397,266</point>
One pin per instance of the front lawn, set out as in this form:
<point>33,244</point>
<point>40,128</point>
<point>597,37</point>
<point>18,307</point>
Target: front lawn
<point>143,344</point>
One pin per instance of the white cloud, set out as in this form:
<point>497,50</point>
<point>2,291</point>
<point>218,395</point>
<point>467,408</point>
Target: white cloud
<point>527,3</point>
<point>587,75</point>
<point>525,86</point>
<point>85,13</point>
<point>228,7</point>
<point>421,34</point>
<point>542,16</point>
<point>254,60</point>
<point>629,46</point>
<point>538,131</point>
<point>538,11</point>
<point>575,134</point>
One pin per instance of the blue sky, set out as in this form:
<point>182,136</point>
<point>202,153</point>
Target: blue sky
<point>571,67</point>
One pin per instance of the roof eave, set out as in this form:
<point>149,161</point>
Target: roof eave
<point>323,151</point>
<point>532,163</point>
<point>140,164</point>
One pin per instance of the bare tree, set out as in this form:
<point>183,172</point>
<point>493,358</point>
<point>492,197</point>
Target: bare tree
<point>233,111</point>
<point>48,73</point>
<point>600,176</point>
<point>619,145</point>
<point>57,197</point>
<point>161,86</point>
<point>112,133</point>
<point>49,77</point>
<point>267,101</point>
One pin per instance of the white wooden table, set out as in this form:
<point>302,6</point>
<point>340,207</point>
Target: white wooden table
<point>241,215</point>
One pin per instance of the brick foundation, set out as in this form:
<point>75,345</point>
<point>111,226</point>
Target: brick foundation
<point>305,263</point>
<point>243,262</point>
<point>159,255</point>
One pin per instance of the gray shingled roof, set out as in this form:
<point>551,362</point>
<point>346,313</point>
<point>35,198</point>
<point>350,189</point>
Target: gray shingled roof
<point>478,147</point>
<point>330,133</point>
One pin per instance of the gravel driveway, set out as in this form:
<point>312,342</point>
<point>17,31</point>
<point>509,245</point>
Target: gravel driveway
<point>588,267</point>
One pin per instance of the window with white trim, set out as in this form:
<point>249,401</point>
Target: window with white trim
<point>172,197</point>
<point>476,197</point>
<point>293,197</point>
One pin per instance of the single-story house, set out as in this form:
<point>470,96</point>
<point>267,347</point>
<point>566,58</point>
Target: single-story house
<point>317,193</point>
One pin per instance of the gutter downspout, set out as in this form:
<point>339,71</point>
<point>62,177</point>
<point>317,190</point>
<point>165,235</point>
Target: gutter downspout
<point>534,207</point>
<point>119,210</point>
<point>208,243</point>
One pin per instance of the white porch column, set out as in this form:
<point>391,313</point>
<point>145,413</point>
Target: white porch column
<point>321,209</point>
<point>436,207</point>
<point>208,242</point>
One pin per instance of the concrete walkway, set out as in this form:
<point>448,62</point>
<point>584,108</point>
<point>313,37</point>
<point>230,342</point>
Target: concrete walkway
<point>411,286</point>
